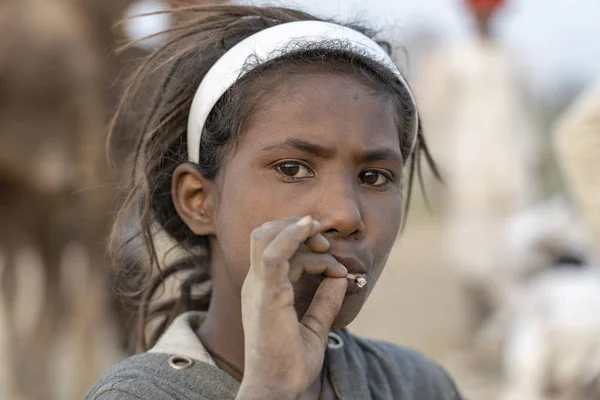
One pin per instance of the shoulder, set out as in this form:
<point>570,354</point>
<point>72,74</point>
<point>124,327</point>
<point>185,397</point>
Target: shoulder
<point>400,356</point>
<point>133,378</point>
<point>150,376</point>
<point>407,369</point>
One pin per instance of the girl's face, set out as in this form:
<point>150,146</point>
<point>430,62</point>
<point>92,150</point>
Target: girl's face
<point>328,148</point>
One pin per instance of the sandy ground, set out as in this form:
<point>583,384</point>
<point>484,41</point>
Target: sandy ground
<point>417,303</point>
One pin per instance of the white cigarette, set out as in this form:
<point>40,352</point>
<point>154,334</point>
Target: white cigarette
<point>359,279</point>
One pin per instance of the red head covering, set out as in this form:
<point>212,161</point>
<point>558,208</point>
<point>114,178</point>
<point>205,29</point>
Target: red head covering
<point>484,4</point>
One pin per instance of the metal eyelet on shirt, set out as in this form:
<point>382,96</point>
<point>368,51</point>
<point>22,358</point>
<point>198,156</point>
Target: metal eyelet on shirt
<point>334,341</point>
<point>180,362</point>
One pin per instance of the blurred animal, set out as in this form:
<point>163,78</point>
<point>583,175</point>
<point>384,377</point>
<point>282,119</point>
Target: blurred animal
<point>526,244</point>
<point>57,194</point>
<point>552,348</point>
<point>543,237</point>
<point>545,328</point>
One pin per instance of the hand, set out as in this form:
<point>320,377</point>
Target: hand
<point>283,356</point>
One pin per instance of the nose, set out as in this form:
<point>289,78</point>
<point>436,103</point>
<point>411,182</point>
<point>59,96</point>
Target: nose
<point>339,210</point>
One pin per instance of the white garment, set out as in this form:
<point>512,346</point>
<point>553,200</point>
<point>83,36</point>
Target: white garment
<point>484,139</point>
<point>553,335</point>
<point>181,338</point>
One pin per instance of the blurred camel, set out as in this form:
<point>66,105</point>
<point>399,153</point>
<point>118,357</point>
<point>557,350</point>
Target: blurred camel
<point>57,193</point>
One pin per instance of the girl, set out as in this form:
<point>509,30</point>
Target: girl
<point>273,151</point>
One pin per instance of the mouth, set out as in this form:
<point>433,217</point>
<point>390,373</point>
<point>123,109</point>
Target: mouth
<point>355,267</point>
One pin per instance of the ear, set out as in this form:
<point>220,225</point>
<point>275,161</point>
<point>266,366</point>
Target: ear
<point>192,196</point>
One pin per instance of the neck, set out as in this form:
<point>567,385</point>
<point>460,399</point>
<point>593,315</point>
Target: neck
<point>483,24</point>
<point>224,315</point>
<point>484,31</point>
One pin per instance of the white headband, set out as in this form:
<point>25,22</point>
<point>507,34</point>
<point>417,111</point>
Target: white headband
<point>267,45</point>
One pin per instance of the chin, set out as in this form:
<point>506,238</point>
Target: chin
<point>347,314</point>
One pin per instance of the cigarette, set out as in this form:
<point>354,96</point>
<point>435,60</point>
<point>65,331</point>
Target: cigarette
<point>359,279</point>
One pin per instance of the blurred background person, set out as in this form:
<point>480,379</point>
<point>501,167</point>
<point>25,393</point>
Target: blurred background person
<point>485,137</point>
<point>576,141</point>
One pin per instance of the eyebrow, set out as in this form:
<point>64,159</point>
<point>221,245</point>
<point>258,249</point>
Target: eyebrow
<point>383,154</point>
<point>303,145</point>
<point>380,155</point>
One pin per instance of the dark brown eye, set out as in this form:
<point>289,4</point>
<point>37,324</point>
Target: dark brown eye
<point>292,169</point>
<point>373,178</point>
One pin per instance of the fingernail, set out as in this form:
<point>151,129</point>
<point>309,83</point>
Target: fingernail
<point>267,224</point>
<point>305,221</point>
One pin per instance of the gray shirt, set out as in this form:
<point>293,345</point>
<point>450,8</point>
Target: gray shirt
<point>359,369</point>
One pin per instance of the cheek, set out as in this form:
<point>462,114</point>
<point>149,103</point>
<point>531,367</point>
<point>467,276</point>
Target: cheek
<point>242,207</point>
<point>383,225</point>
<point>234,225</point>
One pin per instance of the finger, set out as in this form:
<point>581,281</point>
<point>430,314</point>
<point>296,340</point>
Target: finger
<point>276,256</point>
<point>317,243</point>
<point>325,307</point>
<point>263,235</point>
<point>310,263</point>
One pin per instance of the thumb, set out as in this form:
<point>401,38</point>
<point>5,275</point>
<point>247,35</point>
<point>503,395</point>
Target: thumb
<point>325,307</point>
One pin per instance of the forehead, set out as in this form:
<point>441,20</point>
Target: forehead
<point>339,110</point>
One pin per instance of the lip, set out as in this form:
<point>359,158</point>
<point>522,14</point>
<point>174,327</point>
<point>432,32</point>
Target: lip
<point>352,264</point>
